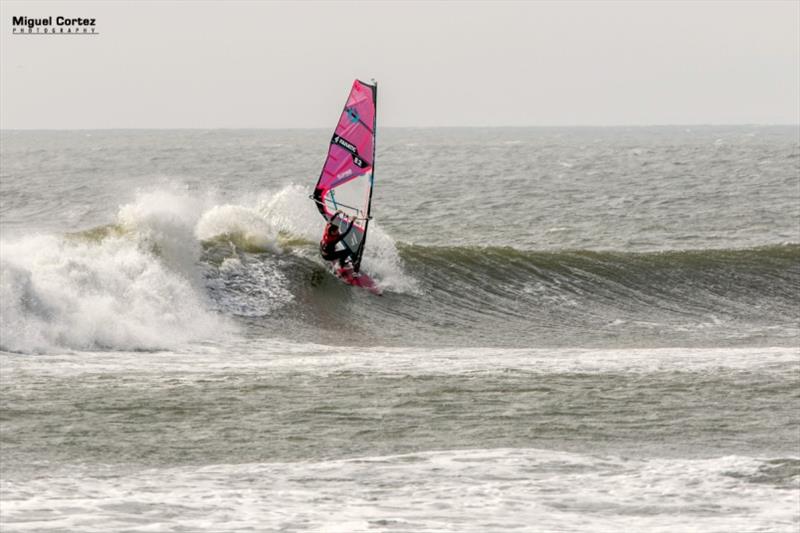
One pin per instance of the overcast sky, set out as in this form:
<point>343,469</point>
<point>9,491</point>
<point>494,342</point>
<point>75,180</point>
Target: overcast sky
<point>274,65</point>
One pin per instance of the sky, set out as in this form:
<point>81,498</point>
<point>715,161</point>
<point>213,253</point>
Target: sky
<point>252,64</point>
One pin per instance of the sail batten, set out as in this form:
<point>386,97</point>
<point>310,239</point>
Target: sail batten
<point>345,183</point>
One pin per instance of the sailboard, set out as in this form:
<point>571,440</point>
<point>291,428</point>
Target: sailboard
<point>347,177</point>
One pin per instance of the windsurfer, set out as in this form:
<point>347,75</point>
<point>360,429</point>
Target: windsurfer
<point>331,237</point>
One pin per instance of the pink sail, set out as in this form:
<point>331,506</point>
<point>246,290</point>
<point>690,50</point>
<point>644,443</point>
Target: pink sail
<point>345,183</point>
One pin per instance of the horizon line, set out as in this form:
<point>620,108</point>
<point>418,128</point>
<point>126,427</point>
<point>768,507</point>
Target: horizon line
<point>230,128</point>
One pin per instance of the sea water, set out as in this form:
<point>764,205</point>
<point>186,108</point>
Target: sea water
<point>582,329</point>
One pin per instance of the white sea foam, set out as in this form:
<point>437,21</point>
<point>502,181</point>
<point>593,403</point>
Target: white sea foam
<point>275,357</point>
<point>455,490</point>
<point>234,219</point>
<point>425,361</point>
<point>138,289</point>
<point>291,211</point>
<point>249,288</point>
<point>165,219</point>
<point>60,294</point>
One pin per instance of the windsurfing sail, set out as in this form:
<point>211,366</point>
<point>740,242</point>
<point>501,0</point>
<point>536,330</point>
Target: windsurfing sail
<point>345,183</point>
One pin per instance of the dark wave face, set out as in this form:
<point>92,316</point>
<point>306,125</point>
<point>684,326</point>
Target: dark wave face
<point>506,297</point>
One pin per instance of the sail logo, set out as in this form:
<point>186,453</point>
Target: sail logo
<point>352,114</point>
<point>350,147</point>
<point>54,26</point>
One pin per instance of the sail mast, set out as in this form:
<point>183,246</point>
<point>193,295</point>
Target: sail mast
<point>357,262</point>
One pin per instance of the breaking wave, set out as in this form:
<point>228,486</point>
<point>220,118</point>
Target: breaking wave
<point>174,268</point>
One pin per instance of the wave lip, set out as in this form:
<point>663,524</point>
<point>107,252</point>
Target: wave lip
<point>670,292</point>
<point>497,262</point>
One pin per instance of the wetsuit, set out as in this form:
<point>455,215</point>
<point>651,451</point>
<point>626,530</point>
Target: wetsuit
<point>327,246</point>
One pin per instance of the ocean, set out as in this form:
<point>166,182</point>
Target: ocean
<point>582,329</point>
